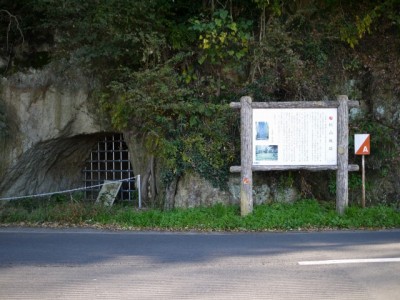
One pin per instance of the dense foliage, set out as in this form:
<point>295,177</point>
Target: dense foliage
<point>169,68</point>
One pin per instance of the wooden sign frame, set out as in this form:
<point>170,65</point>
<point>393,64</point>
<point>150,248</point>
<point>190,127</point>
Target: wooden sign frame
<point>246,127</point>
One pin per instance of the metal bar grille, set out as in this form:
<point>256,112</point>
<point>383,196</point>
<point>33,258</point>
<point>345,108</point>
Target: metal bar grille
<point>109,160</point>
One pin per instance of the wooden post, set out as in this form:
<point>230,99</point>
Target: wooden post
<point>342,175</point>
<point>246,128</point>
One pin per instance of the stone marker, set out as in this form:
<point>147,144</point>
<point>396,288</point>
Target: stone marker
<point>108,192</point>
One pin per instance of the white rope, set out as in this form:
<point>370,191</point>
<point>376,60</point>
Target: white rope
<point>66,191</point>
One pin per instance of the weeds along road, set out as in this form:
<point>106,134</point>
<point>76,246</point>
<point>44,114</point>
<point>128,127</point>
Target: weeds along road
<point>92,264</point>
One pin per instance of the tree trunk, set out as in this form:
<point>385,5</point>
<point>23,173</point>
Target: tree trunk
<point>143,164</point>
<point>170,193</point>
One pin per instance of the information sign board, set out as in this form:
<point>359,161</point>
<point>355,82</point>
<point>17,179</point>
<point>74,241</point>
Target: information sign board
<point>295,136</point>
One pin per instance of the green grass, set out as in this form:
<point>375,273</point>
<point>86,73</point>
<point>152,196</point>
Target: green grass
<point>303,215</point>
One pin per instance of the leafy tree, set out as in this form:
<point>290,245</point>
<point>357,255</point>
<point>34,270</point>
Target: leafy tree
<point>107,34</point>
<point>223,42</point>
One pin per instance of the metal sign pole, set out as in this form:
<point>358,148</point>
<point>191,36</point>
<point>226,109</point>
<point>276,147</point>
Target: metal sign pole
<point>138,186</point>
<point>363,180</point>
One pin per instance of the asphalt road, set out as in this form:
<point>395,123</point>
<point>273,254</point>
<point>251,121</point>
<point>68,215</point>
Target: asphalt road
<point>91,264</point>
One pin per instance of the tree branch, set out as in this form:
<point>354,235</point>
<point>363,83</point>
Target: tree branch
<point>11,19</point>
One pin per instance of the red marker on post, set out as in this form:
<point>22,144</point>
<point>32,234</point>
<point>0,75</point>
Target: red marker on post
<point>362,146</point>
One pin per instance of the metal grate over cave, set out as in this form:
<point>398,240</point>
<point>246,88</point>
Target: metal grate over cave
<point>109,160</point>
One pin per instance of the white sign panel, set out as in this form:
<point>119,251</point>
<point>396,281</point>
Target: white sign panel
<point>295,136</point>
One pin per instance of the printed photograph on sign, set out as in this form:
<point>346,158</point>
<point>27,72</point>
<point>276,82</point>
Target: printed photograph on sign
<point>295,136</point>
<point>264,153</point>
<point>262,131</point>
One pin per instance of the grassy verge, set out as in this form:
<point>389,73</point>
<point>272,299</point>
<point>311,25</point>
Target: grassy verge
<point>303,215</point>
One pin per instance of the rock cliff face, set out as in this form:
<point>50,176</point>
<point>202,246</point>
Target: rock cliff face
<point>49,133</point>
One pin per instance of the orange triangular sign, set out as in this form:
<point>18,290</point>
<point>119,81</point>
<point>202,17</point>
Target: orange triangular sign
<point>362,144</point>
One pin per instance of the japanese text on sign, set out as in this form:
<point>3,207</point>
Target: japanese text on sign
<point>295,136</point>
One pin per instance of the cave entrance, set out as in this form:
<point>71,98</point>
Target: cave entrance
<point>109,160</point>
